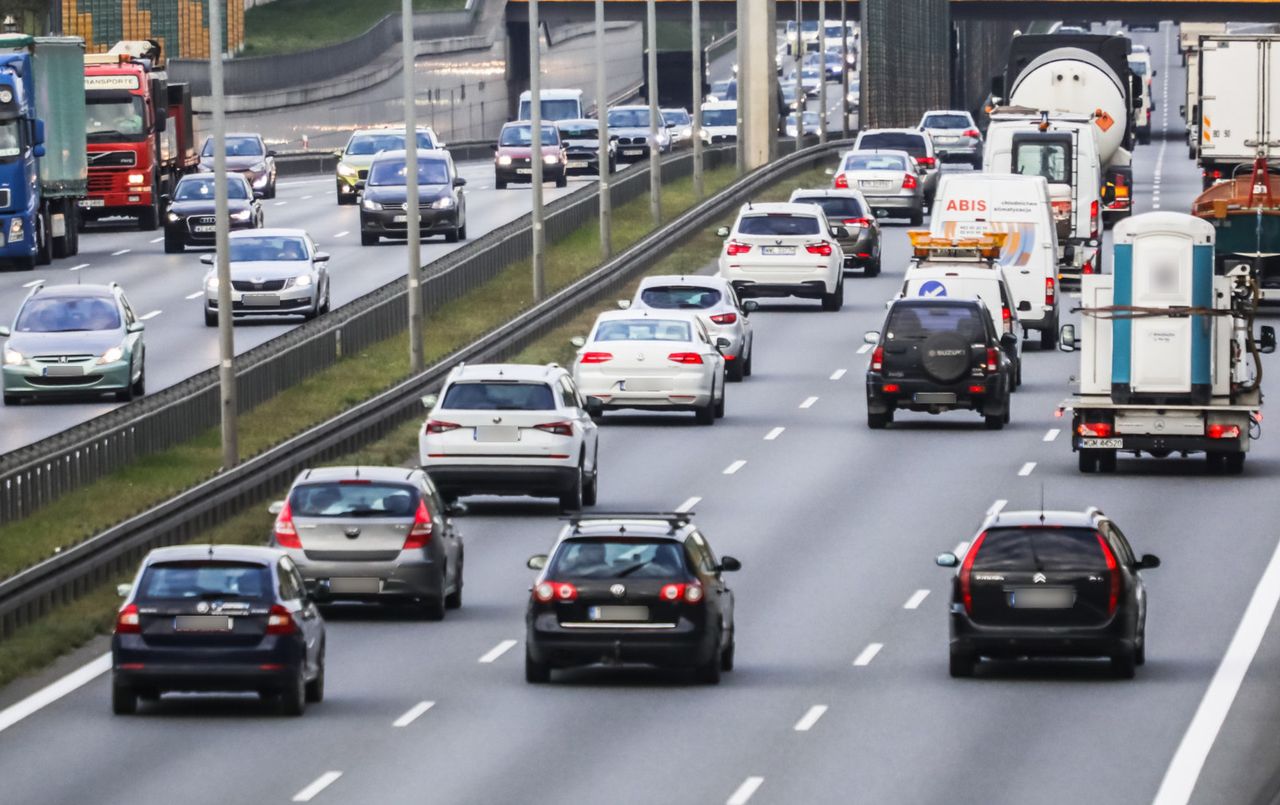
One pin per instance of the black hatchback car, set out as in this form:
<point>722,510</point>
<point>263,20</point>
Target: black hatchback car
<point>442,205</point>
<point>217,618</point>
<point>630,588</point>
<point>938,355</point>
<point>189,220</point>
<point>1050,583</point>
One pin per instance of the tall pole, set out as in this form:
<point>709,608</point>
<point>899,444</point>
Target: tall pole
<point>412,214</point>
<point>744,90</point>
<point>226,338</point>
<point>822,72</point>
<point>696,52</point>
<point>844,73</point>
<point>602,126</point>
<point>655,154</point>
<point>802,99</point>
<point>535,146</point>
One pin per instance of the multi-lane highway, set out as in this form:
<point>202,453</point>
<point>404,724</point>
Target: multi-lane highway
<point>841,692</point>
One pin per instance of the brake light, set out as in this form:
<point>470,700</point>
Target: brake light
<point>440,426</point>
<point>1093,218</point>
<point>1113,589</point>
<point>1061,210</point>
<point>977,389</point>
<point>891,388</point>
<point>823,249</point>
<point>127,620</point>
<point>908,181</point>
<point>842,181</point>
<point>862,222</point>
<point>1050,291</point>
<point>927,162</point>
<point>686,358</point>
<point>971,133</point>
<point>549,591</point>
<point>279,621</point>
<point>1099,430</point>
<point>966,571</point>
<point>557,428</point>
<point>733,248</point>
<point>1088,266</point>
<point>596,357</point>
<point>993,360</point>
<point>877,359</point>
<point>689,593</point>
<point>420,533</point>
<point>1212,174</point>
<point>724,318</point>
<point>1217,431</point>
<point>1006,316</point>
<point>285,534</point>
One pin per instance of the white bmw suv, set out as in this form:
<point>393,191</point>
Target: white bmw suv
<point>784,250</point>
<point>511,429</point>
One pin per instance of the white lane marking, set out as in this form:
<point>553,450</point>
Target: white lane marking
<point>412,714</point>
<point>305,198</point>
<point>77,268</point>
<point>31,284</point>
<point>122,251</point>
<point>868,654</point>
<point>497,651</point>
<point>195,295</point>
<point>321,783</point>
<point>996,507</point>
<point>735,466</point>
<point>1051,434</point>
<point>151,315</point>
<point>864,349</point>
<point>916,599</point>
<point>1180,779</point>
<point>810,718</point>
<point>54,691</point>
<point>342,234</point>
<point>808,402</point>
<point>961,549</point>
<point>744,792</point>
<point>156,240</point>
<point>773,434</point>
<point>839,373</point>
<point>689,504</point>
<point>1027,468</point>
<point>281,203</point>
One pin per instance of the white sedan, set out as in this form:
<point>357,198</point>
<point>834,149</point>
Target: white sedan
<point>784,249</point>
<point>715,302</point>
<point>274,272</point>
<point>656,360</point>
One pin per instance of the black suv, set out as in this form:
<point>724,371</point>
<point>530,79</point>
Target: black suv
<point>939,355</point>
<point>630,588</point>
<point>1053,583</point>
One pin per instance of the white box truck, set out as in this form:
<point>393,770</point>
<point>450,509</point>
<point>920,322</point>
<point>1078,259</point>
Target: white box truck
<point>1239,113</point>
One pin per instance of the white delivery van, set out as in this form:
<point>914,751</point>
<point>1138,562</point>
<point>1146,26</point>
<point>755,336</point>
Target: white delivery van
<point>971,204</point>
<point>557,104</point>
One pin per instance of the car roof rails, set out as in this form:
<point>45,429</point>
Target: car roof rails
<point>673,519</point>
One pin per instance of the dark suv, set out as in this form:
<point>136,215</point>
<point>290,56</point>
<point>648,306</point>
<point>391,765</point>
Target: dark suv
<point>939,355</point>
<point>1036,583</point>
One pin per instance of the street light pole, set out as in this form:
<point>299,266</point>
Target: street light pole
<point>802,99</point>
<point>413,216</point>
<point>844,72</point>
<point>602,132</point>
<point>535,146</point>
<point>655,154</point>
<point>822,73</point>
<point>696,52</point>
<point>744,90</point>
<point>226,338</point>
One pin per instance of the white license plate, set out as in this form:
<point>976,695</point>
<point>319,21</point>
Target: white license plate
<point>202,623</point>
<point>524,171</point>
<point>645,384</point>
<point>204,228</point>
<point>63,371</point>
<point>1042,597</point>
<point>400,219</point>
<point>618,613</point>
<point>497,433</point>
<point>577,163</point>
<point>632,152</point>
<point>353,586</point>
<point>875,184</point>
<point>777,250</point>
<point>1106,444</point>
<point>260,300</point>
<point>93,202</point>
<point>947,140</point>
<point>934,397</point>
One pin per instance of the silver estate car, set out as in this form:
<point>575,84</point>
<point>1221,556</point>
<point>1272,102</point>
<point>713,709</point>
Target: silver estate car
<point>715,302</point>
<point>888,180</point>
<point>274,272</point>
<point>955,136</point>
<point>372,534</point>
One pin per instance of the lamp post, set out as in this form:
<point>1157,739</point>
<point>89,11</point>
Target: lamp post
<point>411,202</point>
<point>226,337</point>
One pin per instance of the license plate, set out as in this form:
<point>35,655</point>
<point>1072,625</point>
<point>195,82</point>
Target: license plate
<point>618,613</point>
<point>93,202</point>
<point>1042,597</point>
<point>933,397</point>
<point>260,300</point>
<point>777,250</point>
<point>400,219</point>
<point>1106,444</point>
<point>202,623</point>
<point>947,140</point>
<point>497,433</point>
<point>632,152</point>
<point>204,228</point>
<point>63,371</point>
<point>355,586</point>
<point>577,163</point>
<point>875,184</point>
<point>524,171</point>
<point>645,384</point>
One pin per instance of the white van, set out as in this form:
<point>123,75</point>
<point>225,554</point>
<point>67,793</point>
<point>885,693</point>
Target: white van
<point>971,204</point>
<point>557,104</point>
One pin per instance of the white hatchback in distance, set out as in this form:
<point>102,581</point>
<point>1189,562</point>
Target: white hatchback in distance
<point>715,302</point>
<point>657,360</point>
<point>784,249</point>
<point>511,429</point>
<point>274,272</point>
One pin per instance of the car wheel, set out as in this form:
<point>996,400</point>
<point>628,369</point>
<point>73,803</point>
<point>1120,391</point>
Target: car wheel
<point>432,608</point>
<point>735,370</point>
<point>726,656</point>
<point>1124,661</point>
<point>293,699</point>
<point>917,218</point>
<point>173,244</point>
<point>499,184</point>
<point>879,421</point>
<point>962,663</point>
<point>149,218</point>
<point>1017,376</point>
<point>706,415</point>
<point>535,672</point>
<point>270,192</point>
<point>462,230</point>
<point>1140,651</point>
<point>873,268</point>
<point>315,688</point>
<point>140,385</point>
<point>454,599</point>
<point>1049,339</point>
<point>709,672</point>
<point>11,399</point>
<point>1106,461</point>
<point>451,236</point>
<point>571,498</point>
<point>831,302</point>
<point>996,421</point>
<point>124,700</point>
<point>719,409</point>
<point>369,239</point>
<point>751,352</point>
<point>562,180</point>
<point>1235,462</point>
<point>210,318</point>
<point>591,492</point>
<point>1087,460</point>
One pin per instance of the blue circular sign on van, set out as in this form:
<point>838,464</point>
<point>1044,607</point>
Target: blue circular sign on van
<point>932,288</point>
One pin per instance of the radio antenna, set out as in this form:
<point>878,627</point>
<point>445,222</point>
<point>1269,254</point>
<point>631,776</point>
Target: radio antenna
<point>1042,503</point>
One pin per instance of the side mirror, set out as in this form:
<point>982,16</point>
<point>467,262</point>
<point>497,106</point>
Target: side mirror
<point>459,181</point>
<point>276,508</point>
<point>624,304</point>
<point>1067,338</point>
<point>123,590</point>
<point>494,147</point>
<point>1155,73</point>
<point>5,332</point>
<point>723,343</point>
<point>830,171</point>
<point>722,232</point>
<point>871,337</point>
<point>135,327</point>
<point>1148,562</point>
<point>320,257</point>
<point>1266,341</point>
<point>430,400</point>
<point>39,151</point>
<point>729,565</point>
<point>1008,340</point>
<point>537,562</point>
<point>207,259</point>
<point>271,153</point>
<point>456,509</point>
<point>750,306</point>
<point>39,135</point>
<point>946,560</point>
<point>578,341</point>
<point>164,198</point>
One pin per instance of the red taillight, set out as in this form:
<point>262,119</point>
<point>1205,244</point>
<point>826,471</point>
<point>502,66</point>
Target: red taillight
<point>1088,266</point>
<point>549,591</point>
<point>971,133</point>
<point>733,248</point>
<point>1050,291</point>
<point>877,359</point>
<point>842,181</point>
<point>859,222</point>
<point>966,570</point>
<point>1061,210</point>
<point>1093,218</point>
<point>909,181</point>
<point>1216,431</point>
<point>823,249</point>
<point>127,620</point>
<point>596,357</point>
<point>279,621</point>
<point>1214,174</point>
<point>286,535</point>
<point>1113,589</point>
<point>440,426</point>
<point>686,358</point>
<point>977,389</point>
<point>724,318</point>
<point>420,533</point>
<point>1099,430</point>
<point>891,388</point>
<point>689,593</point>
<point>927,162</point>
<point>557,428</point>
<point>993,360</point>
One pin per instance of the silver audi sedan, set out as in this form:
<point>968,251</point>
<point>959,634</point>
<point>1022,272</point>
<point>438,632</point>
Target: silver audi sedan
<point>274,272</point>
<point>715,302</point>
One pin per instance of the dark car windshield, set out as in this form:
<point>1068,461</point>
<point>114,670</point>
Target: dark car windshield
<point>114,117</point>
<point>499,397</point>
<point>946,122</point>
<point>202,190</point>
<point>720,117</point>
<point>629,119</point>
<point>618,559</point>
<point>353,498</point>
<point>522,136</point>
<point>913,144</point>
<point>921,321</point>
<point>392,172</point>
<point>778,224</point>
<point>1036,548</point>
<point>673,297</point>
<point>236,147</point>
<point>676,117</point>
<point>268,248</point>
<point>644,330</point>
<point>68,314</point>
<point>836,207</point>
<point>204,579</point>
<point>370,144</point>
<point>725,90</point>
<point>581,131</point>
<point>562,109</point>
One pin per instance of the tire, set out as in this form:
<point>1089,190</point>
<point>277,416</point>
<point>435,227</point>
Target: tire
<point>709,672</point>
<point>139,388</point>
<point>1124,662</point>
<point>571,499</point>
<point>11,399</point>
<point>878,421</point>
<point>293,699</point>
<point>1088,461</point>
<point>719,407</point>
<point>315,688</point>
<point>1234,464</point>
<point>917,218</point>
<point>369,239</point>
<point>591,491</point>
<point>451,236</point>
<point>706,415</point>
<point>210,318</point>
<point>124,700</point>
<point>726,656</point>
<point>173,245</point>
<point>832,302</point>
<point>125,394</point>
<point>746,367</point>
<point>44,246</point>
<point>535,673</point>
<point>962,663</point>
<point>432,609</point>
<point>149,218</point>
<point>462,230</point>
<point>1106,461</point>
<point>454,599</point>
<point>562,181</point>
<point>499,184</point>
<point>1140,651</point>
<point>270,191</point>
<point>945,357</point>
<point>872,269</point>
<point>734,371</point>
<point>995,421</point>
<point>1049,339</point>
<point>1017,376</point>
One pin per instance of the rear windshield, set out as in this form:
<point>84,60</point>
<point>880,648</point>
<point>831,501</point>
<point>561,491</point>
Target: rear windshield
<point>676,117</point>
<point>352,498</point>
<point>370,144</point>
<point>1040,549</point>
<point>778,224</point>
<point>268,248</point>
<point>946,122</point>
<point>580,132</point>
<point>236,147</point>
<point>620,559</point>
<point>674,297</point>
<point>204,579</point>
<point>921,321</point>
<point>836,207</point>
<point>913,144</point>
<point>1138,67</point>
<point>644,330</point>
<point>392,172</point>
<point>61,314</point>
<point>499,397</point>
<point>874,162</point>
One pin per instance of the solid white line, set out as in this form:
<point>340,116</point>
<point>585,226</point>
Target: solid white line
<point>497,651</point>
<point>1051,434</point>
<point>195,295</point>
<point>996,507</point>
<point>773,434</point>
<point>151,315</point>
<point>281,203</point>
<point>156,240</point>
<point>413,714</point>
<point>342,234</point>
<point>864,349</point>
<point>960,549</point>
<point>810,718</point>
<point>745,791</point>
<point>31,284</point>
<point>808,402</point>
<point>304,198</point>
<point>51,693</point>
<point>916,599</point>
<point>122,251</point>
<point>321,783</point>
<point>77,268</point>
<point>868,654</point>
<point>688,504</point>
<point>735,466</point>
<point>1180,779</point>
<point>839,373</point>
<point>1027,468</point>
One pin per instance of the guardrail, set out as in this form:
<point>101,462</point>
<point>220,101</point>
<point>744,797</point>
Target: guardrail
<point>60,579</point>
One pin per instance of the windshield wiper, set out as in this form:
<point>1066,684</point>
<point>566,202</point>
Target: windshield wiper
<point>628,571</point>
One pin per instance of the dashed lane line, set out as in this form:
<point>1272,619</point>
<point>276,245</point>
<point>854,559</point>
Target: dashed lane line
<point>744,792</point>
<point>497,651</point>
<point>839,373</point>
<point>79,267</point>
<point>773,434</point>
<point>32,284</point>
<point>122,251</point>
<point>810,718</point>
<point>688,504</point>
<point>1051,434</point>
<point>997,507</point>
<point>342,234</point>
<point>868,654</point>
<point>156,240</point>
<point>150,316</point>
<point>916,599</point>
<point>734,467</point>
<point>1027,468</point>
<point>319,784</point>
<point>864,349</point>
<point>808,402</point>
<point>412,714</point>
<point>195,295</point>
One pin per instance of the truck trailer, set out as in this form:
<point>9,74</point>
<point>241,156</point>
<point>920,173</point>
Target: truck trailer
<point>1239,113</point>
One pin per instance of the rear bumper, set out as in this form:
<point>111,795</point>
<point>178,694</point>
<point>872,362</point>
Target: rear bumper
<point>686,645</point>
<point>498,479</point>
<point>384,222</point>
<point>550,173</point>
<point>418,577</point>
<point>882,205</point>
<point>853,248</point>
<point>1167,444</point>
<point>996,641</point>
<point>990,400</point>
<point>806,284</point>
<point>270,666</point>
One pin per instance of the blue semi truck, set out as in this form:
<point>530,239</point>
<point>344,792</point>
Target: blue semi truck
<point>44,169</point>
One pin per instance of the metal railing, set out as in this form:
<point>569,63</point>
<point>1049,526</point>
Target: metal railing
<point>62,578</point>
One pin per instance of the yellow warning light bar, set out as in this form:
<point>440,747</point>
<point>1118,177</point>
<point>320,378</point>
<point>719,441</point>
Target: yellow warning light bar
<point>987,246</point>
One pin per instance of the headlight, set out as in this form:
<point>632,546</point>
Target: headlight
<point>445,203</point>
<point>504,160</point>
<point>137,178</point>
<point>369,204</point>
<point>346,170</point>
<point>211,282</point>
<point>243,215</point>
<point>259,168</point>
<point>302,281</point>
<point>687,131</point>
<point>12,357</point>
<point>112,355</point>
<point>551,159</point>
<point>174,218</point>
<point>15,230</point>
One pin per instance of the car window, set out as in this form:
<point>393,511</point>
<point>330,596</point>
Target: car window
<point>169,581</point>
<point>778,224</point>
<point>836,207</point>
<point>268,248</point>
<point>617,559</point>
<point>874,162</point>
<point>1138,67</point>
<point>921,321</point>
<point>353,498</point>
<point>392,172</point>
<point>673,297</point>
<point>628,118</point>
<point>289,591</point>
<point>522,136</point>
<point>677,117</point>
<point>237,147</point>
<point>947,122</point>
<point>580,132</point>
<point>499,396</point>
<point>68,314</point>
<point>643,330</point>
<point>568,398</point>
<point>129,316</point>
<point>700,553</point>
<point>1033,548</point>
<point>720,117</point>
<point>913,144</point>
<point>370,144</point>
<point>203,190</point>
<point>1047,159</point>
<point>1118,541</point>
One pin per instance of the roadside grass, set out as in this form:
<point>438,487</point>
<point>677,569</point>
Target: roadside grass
<point>288,26</point>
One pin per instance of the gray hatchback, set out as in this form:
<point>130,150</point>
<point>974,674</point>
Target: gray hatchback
<point>372,534</point>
